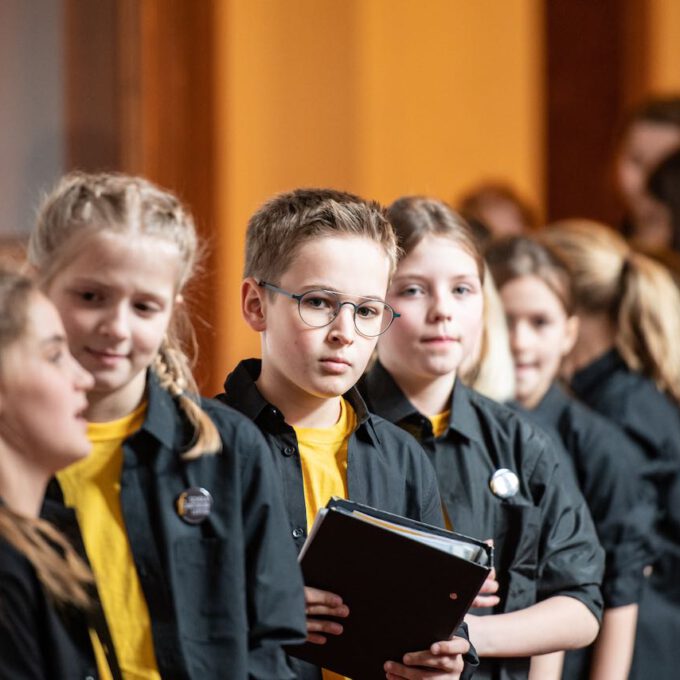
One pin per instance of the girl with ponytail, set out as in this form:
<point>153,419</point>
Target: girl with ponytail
<point>179,506</point>
<point>626,365</point>
<point>45,588</point>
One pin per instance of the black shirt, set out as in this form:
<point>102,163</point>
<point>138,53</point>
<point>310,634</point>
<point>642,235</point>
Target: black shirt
<point>224,595</point>
<point>37,640</point>
<point>386,468</point>
<point>608,467</point>
<point>652,420</point>
<point>544,537</point>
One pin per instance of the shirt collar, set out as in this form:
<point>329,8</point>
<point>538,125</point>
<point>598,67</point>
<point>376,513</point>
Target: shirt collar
<point>242,394</point>
<point>161,415</point>
<point>553,403</point>
<point>388,400</point>
<point>589,377</point>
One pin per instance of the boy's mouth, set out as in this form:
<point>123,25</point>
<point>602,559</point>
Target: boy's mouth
<point>335,364</point>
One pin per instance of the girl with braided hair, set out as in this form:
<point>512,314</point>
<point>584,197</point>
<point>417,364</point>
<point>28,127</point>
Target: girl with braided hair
<point>181,517</point>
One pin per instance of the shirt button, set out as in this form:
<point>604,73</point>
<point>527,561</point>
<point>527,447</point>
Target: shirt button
<point>289,451</point>
<point>298,532</point>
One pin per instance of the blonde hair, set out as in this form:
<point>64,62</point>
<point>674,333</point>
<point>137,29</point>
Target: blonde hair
<point>64,575</point>
<point>83,205</point>
<point>287,221</point>
<point>636,293</point>
<point>491,370</point>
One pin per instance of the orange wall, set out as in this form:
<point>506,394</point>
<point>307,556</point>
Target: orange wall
<point>664,46</point>
<point>381,97</point>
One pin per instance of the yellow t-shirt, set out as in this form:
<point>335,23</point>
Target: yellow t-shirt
<point>92,487</point>
<point>323,452</point>
<point>440,423</point>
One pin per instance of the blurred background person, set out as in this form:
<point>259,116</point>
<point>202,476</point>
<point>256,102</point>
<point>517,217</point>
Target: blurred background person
<point>651,132</point>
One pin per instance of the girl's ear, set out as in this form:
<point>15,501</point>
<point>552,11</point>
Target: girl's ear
<point>253,304</point>
<point>571,335</point>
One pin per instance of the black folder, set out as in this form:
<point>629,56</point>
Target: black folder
<point>396,587</point>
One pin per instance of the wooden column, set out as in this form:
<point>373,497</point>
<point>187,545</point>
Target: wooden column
<point>140,100</point>
<point>596,68</point>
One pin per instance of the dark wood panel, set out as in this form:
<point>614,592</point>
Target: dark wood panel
<point>595,69</point>
<point>140,100</point>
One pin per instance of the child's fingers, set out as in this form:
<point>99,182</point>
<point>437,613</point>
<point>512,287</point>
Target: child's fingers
<point>322,610</point>
<point>316,626</point>
<point>485,601</point>
<point>314,596</point>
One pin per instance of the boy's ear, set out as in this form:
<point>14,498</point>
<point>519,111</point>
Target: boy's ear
<point>571,335</point>
<point>253,304</point>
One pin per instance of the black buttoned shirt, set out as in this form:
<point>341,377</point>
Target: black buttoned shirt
<point>386,468</point>
<point>544,537</point>
<point>609,468</point>
<point>224,595</point>
<point>652,420</point>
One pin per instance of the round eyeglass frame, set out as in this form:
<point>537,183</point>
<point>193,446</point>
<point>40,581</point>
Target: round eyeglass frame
<point>298,297</point>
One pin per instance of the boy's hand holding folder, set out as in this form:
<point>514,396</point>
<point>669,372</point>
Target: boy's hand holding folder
<point>388,581</point>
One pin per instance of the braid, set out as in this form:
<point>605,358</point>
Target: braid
<point>174,375</point>
<point>66,578</point>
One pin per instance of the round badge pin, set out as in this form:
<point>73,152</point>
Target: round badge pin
<point>194,504</point>
<point>504,483</point>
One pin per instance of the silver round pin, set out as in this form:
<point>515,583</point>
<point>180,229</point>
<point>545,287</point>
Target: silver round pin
<point>194,504</point>
<point>504,483</point>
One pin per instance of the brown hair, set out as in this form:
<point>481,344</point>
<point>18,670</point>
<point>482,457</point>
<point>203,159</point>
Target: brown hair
<point>473,204</point>
<point>278,229</point>
<point>516,256</point>
<point>661,110</point>
<point>414,217</point>
<point>64,575</point>
<point>83,205</point>
<point>636,293</point>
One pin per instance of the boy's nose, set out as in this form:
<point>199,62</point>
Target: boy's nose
<point>342,328</point>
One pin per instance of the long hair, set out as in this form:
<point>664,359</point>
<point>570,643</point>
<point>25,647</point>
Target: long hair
<point>636,293</point>
<point>64,575</point>
<point>82,205</point>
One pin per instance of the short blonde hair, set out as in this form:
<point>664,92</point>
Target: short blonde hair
<point>287,221</point>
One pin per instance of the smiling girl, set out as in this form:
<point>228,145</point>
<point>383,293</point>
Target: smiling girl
<point>181,515</point>
<point>499,477</point>
<point>536,291</point>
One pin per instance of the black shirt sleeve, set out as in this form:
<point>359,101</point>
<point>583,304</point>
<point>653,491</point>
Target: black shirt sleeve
<point>571,560</point>
<point>21,650</point>
<point>275,597</point>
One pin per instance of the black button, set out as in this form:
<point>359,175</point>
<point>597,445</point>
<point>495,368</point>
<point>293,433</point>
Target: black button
<point>289,451</point>
<point>298,532</point>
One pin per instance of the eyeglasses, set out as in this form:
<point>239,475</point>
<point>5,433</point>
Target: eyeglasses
<point>318,308</point>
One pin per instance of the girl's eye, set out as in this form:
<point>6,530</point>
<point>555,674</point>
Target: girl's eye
<point>412,291</point>
<point>540,321</point>
<point>56,356</point>
<point>147,307</point>
<point>89,296</point>
<point>462,290</point>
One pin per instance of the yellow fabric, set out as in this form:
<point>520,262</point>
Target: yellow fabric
<point>100,656</point>
<point>440,422</point>
<point>92,487</point>
<point>323,452</point>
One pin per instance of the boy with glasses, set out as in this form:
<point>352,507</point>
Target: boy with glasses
<point>318,263</point>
